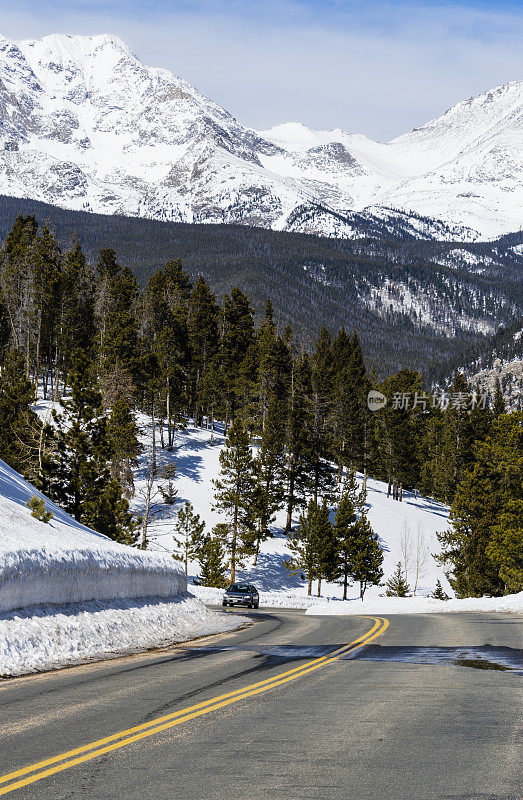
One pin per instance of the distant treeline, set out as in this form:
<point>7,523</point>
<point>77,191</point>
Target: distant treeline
<point>312,281</point>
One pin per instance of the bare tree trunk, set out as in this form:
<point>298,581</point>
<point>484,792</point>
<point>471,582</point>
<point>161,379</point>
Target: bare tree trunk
<point>290,504</point>
<point>233,545</point>
<point>150,481</point>
<point>257,551</point>
<point>345,579</point>
<point>309,590</point>
<point>153,454</point>
<point>319,586</point>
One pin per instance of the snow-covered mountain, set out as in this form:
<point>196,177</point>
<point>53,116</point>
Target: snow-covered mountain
<point>86,126</point>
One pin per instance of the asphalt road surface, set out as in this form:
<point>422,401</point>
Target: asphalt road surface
<point>280,709</point>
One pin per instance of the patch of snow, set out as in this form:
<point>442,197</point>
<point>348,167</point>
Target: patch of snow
<point>511,603</point>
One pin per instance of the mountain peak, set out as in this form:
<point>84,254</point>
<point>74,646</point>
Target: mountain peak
<point>71,42</point>
<point>86,125</point>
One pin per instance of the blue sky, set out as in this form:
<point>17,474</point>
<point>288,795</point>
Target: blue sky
<point>375,67</point>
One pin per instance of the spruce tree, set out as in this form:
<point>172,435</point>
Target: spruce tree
<point>188,536</point>
<point>397,586</point>
<point>234,490</point>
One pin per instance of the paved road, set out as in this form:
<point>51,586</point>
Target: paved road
<point>368,724</point>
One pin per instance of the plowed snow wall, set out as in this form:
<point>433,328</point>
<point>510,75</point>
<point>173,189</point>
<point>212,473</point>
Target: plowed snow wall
<point>32,577</point>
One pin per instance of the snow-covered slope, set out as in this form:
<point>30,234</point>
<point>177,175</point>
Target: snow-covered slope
<point>197,464</point>
<point>85,125</point>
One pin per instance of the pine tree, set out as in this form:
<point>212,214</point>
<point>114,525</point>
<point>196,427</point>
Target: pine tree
<point>298,443</point>
<point>482,548</point>
<point>15,280</point>
<point>20,429</point>
<point>498,402</point>
<point>238,337</point>
<point>202,325</point>
<point>399,431</point>
<point>80,476</point>
<point>304,547</point>
<point>45,259</point>
<point>125,446</point>
<point>397,586</point>
<point>106,510</point>
<point>168,490</point>
<point>325,543</point>
<point>188,534</point>
<point>367,556</point>
<point>211,558</point>
<point>267,364</point>
<point>77,323</point>
<point>505,549</point>
<point>344,533</point>
<point>234,493</point>
<point>438,593</point>
<point>166,359</point>
<point>269,471</point>
<point>38,509</point>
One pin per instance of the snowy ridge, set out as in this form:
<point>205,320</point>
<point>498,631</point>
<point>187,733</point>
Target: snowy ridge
<point>86,126</point>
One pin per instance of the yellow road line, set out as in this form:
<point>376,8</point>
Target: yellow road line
<point>110,743</point>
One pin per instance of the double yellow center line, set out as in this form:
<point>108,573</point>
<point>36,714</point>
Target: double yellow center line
<point>50,766</point>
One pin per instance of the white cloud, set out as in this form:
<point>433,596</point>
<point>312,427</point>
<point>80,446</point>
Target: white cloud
<point>375,74</point>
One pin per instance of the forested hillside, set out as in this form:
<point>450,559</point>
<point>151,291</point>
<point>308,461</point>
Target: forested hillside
<point>413,303</point>
<point>103,349</point>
